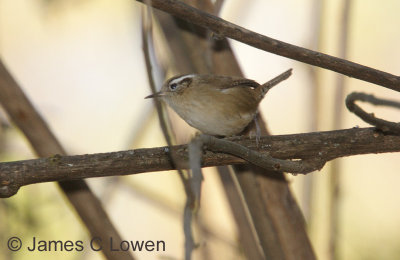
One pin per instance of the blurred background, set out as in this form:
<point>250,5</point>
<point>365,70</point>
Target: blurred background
<point>81,64</point>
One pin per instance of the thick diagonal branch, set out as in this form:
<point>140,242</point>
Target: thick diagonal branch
<point>230,30</point>
<point>43,141</point>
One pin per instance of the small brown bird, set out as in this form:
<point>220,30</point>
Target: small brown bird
<point>216,105</point>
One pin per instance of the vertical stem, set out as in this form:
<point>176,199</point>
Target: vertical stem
<point>307,193</point>
<point>189,210</point>
<point>335,175</point>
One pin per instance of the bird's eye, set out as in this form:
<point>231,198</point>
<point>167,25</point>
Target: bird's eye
<point>173,86</point>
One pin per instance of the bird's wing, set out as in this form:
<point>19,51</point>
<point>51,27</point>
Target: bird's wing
<point>226,82</point>
<point>244,83</point>
<point>223,83</point>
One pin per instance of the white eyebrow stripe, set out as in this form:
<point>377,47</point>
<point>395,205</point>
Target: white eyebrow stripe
<point>177,80</point>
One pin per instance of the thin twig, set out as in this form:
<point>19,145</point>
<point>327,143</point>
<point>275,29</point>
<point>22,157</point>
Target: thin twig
<point>383,125</point>
<point>146,41</point>
<point>192,197</point>
<point>263,160</point>
<point>227,29</point>
<point>196,177</point>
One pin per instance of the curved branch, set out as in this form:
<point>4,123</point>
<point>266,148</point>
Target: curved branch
<point>381,124</point>
<point>263,160</point>
<point>324,145</point>
<point>233,31</point>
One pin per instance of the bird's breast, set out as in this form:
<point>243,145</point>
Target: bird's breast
<point>223,113</point>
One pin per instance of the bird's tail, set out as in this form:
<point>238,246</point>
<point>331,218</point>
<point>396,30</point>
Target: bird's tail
<point>264,88</point>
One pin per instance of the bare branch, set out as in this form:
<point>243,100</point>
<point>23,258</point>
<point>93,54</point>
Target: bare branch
<point>43,141</point>
<point>381,124</point>
<point>327,145</point>
<point>192,198</point>
<point>227,29</point>
<point>263,160</point>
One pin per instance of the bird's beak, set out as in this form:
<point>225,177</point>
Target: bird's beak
<point>156,95</point>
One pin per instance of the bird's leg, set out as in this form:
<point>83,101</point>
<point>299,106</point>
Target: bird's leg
<point>258,129</point>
